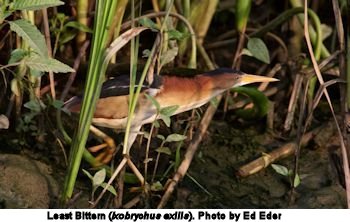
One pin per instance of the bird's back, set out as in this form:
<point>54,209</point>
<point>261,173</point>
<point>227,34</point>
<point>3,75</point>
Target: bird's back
<point>114,97</point>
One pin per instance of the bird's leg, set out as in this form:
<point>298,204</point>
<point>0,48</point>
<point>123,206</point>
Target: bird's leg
<point>109,146</point>
<point>134,131</point>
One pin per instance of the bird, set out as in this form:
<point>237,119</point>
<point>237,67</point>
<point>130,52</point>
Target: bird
<point>186,93</point>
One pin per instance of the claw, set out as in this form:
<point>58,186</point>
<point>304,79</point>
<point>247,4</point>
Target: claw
<point>97,148</point>
<point>109,149</point>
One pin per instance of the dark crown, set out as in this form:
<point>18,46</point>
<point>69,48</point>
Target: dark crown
<point>223,71</point>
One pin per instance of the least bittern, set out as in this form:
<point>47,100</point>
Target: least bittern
<point>185,92</point>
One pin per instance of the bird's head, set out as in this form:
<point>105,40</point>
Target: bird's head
<point>226,78</point>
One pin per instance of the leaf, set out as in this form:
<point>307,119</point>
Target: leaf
<point>36,73</point>
<point>166,120</point>
<point>326,31</point>
<point>58,104</point>
<point>280,169</point>
<point>35,4</point>
<point>131,178</point>
<point>17,55</point>
<point>146,53</point>
<point>156,124</point>
<point>296,180</point>
<point>88,174</point>
<point>259,50</point>
<point>46,64</point>
<point>169,110</point>
<point>261,103</point>
<point>246,52</point>
<point>110,188</point>
<point>146,135</point>
<point>4,122</point>
<point>15,88</point>
<point>242,10</point>
<point>34,105</point>
<point>160,137</point>
<point>67,36</point>
<point>154,101</point>
<point>168,56</point>
<point>99,177</point>
<point>61,17</point>
<point>4,15</point>
<point>148,160</point>
<point>33,127</point>
<point>175,137</point>
<point>30,34</point>
<point>122,40</point>
<point>177,35</point>
<point>164,150</point>
<point>148,23</point>
<point>78,26</point>
<point>157,186</point>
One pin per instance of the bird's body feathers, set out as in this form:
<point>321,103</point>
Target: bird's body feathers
<point>186,92</point>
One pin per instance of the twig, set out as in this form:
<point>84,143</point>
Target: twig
<point>76,65</point>
<point>293,101</point>
<point>236,59</point>
<point>47,88</point>
<point>301,130</point>
<point>191,150</point>
<point>120,189</point>
<point>284,151</point>
<point>271,73</point>
<point>49,50</point>
<point>136,172</point>
<point>178,16</point>
<point>296,90</point>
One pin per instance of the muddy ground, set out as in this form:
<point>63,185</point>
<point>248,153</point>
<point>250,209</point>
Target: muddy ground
<point>29,183</point>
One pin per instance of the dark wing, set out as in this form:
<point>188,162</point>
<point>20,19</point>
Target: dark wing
<point>119,86</point>
<point>115,87</point>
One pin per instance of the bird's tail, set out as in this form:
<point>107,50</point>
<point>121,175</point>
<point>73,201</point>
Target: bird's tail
<point>73,104</point>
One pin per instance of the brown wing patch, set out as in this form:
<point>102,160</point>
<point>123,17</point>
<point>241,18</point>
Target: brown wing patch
<point>115,107</point>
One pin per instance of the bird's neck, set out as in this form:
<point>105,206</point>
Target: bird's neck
<point>213,85</point>
<point>187,93</point>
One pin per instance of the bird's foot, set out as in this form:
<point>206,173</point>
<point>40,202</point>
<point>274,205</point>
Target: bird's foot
<point>108,151</point>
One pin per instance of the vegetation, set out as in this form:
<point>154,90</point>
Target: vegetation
<point>51,49</point>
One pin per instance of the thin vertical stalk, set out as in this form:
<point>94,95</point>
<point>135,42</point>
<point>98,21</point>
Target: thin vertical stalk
<point>325,92</point>
<point>118,18</point>
<point>82,18</point>
<point>186,6</point>
<point>49,48</point>
<point>103,19</point>
<point>313,34</point>
<point>347,53</point>
<point>134,98</point>
<point>35,81</point>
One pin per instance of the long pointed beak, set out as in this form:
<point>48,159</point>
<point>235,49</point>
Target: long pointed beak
<point>247,79</point>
